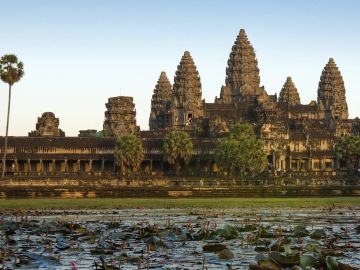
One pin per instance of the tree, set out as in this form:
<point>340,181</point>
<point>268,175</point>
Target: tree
<point>241,153</point>
<point>348,148</point>
<point>178,148</point>
<point>129,153</point>
<point>11,71</point>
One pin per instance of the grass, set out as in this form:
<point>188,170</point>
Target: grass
<point>97,203</point>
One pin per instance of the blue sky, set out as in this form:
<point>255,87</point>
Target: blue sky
<point>77,54</point>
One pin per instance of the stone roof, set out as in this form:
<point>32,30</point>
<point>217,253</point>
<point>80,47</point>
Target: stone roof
<point>219,106</point>
<point>300,108</point>
<point>63,142</point>
<point>289,94</point>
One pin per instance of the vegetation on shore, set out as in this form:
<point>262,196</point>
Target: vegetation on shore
<point>223,203</point>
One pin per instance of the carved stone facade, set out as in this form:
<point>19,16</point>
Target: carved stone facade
<point>120,117</point>
<point>47,126</point>
<point>298,138</point>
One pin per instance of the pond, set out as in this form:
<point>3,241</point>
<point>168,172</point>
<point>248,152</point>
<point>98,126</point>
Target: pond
<point>238,238</point>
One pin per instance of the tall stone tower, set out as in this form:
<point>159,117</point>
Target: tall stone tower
<point>242,72</point>
<point>289,94</point>
<point>187,104</point>
<point>331,94</point>
<point>160,115</point>
<point>120,117</point>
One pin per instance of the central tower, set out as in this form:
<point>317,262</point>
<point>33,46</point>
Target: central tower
<point>242,73</point>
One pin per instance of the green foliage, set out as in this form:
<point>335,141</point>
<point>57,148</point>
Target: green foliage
<point>129,152</point>
<point>348,146</point>
<point>177,147</point>
<point>241,152</point>
<point>11,70</point>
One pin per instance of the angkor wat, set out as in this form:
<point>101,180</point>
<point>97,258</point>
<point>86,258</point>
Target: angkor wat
<point>298,138</point>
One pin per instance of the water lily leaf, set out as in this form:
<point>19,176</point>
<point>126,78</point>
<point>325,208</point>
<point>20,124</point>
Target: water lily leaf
<point>317,234</point>
<point>287,249</point>
<point>287,260</point>
<point>226,254</point>
<point>228,232</point>
<point>269,265</point>
<point>247,228</point>
<point>307,261</point>
<point>300,231</point>
<point>213,247</point>
<point>331,263</point>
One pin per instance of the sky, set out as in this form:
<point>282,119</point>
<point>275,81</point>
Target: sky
<point>78,53</point>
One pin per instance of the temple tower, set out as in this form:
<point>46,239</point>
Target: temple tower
<point>289,94</point>
<point>47,126</point>
<point>160,115</point>
<point>242,73</point>
<point>331,94</point>
<point>187,104</point>
<point>120,117</point>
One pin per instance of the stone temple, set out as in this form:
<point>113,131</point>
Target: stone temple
<point>298,138</point>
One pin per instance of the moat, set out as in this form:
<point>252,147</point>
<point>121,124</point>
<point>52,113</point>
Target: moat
<point>176,238</point>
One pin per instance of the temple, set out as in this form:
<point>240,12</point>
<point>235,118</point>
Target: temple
<point>298,138</point>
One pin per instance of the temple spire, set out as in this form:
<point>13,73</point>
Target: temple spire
<point>331,92</point>
<point>187,102</point>
<point>242,65</point>
<point>187,79</point>
<point>289,94</point>
<point>160,103</point>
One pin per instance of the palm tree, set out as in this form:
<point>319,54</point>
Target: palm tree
<point>11,71</point>
<point>178,147</point>
<point>129,153</point>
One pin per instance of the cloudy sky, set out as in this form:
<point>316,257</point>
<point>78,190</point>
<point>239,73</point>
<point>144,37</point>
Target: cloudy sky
<point>77,54</point>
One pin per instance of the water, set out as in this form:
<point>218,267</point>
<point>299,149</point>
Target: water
<point>56,239</point>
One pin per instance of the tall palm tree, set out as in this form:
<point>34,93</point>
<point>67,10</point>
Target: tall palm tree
<point>177,147</point>
<point>129,153</point>
<point>11,71</point>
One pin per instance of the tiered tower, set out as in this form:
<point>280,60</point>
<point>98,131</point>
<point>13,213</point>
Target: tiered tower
<point>242,73</point>
<point>187,103</point>
<point>289,94</point>
<point>331,94</point>
<point>120,117</point>
<point>160,115</point>
<point>47,126</point>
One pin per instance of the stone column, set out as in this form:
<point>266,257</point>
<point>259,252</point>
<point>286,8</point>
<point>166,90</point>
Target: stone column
<point>102,164</point>
<point>53,166</point>
<point>78,165</point>
<point>39,166</point>
<point>29,165</point>
<point>90,165</point>
<point>16,166</point>
<point>66,165</point>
